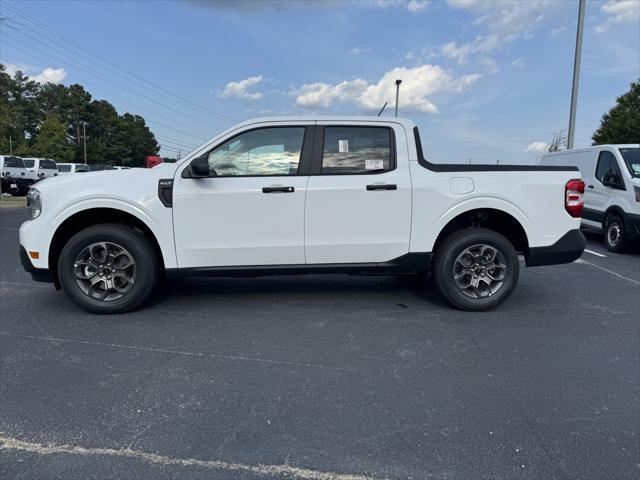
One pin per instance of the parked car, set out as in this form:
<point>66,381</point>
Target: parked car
<point>303,195</point>
<point>120,167</point>
<point>14,179</point>
<point>65,168</point>
<point>612,197</point>
<point>40,168</point>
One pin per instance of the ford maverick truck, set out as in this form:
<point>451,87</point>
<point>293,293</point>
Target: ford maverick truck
<point>302,195</point>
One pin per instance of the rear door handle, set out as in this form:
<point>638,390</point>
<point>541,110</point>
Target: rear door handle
<point>382,186</point>
<point>590,186</point>
<point>278,189</point>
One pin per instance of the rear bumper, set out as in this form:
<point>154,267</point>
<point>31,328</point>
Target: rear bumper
<point>38,274</point>
<point>566,250</point>
<point>632,226</point>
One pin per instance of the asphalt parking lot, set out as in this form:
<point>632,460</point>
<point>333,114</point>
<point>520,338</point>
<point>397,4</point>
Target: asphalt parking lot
<point>324,377</point>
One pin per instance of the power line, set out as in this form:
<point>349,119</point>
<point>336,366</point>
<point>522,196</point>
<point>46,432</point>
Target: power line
<point>91,71</point>
<point>137,78</point>
<point>199,137</point>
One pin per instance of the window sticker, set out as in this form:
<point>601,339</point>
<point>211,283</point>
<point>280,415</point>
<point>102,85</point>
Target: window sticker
<point>374,164</point>
<point>343,146</point>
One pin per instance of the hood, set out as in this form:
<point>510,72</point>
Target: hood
<point>105,181</point>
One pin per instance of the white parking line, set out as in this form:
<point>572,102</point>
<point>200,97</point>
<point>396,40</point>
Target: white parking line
<point>608,271</point>
<point>594,253</point>
<point>269,471</point>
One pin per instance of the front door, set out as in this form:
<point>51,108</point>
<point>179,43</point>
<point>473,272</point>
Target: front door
<point>359,195</point>
<point>250,210</point>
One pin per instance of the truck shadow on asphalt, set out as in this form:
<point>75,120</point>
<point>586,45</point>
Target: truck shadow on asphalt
<point>345,288</point>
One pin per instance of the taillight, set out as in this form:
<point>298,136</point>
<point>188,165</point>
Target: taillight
<point>574,197</point>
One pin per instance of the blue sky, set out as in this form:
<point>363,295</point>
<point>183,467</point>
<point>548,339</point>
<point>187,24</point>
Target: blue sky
<point>484,80</point>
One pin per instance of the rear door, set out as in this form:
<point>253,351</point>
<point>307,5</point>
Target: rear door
<point>250,210</point>
<point>358,207</point>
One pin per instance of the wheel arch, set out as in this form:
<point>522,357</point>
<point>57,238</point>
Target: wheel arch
<point>493,219</point>
<point>94,216</point>
<point>617,209</point>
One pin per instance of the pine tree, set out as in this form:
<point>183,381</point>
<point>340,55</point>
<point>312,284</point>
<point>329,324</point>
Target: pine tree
<point>51,141</point>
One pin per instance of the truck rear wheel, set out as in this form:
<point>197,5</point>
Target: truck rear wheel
<point>476,269</point>
<point>108,268</point>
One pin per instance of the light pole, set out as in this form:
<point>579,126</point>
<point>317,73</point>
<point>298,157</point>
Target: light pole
<point>84,137</point>
<point>576,74</point>
<point>398,82</point>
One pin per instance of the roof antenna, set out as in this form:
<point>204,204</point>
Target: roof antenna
<point>382,109</point>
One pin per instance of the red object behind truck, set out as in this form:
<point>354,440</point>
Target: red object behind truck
<point>151,161</point>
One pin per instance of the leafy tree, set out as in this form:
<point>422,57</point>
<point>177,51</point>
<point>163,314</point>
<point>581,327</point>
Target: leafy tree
<point>622,123</point>
<point>31,113</point>
<point>52,142</point>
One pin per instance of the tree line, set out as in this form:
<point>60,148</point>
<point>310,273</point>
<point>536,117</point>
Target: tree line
<point>50,120</point>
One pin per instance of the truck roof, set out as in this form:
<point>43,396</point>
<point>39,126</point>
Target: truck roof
<point>328,118</point>
<point>587,149</point>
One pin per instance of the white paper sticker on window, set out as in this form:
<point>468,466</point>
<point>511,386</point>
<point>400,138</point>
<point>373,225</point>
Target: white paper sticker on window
<point>374,164</point>
<point>343,146</point>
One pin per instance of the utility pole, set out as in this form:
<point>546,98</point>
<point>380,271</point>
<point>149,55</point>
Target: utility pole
<point>10,146</point>
<point>398,82</point>
<point>84,137</point>
<point>576,74</point>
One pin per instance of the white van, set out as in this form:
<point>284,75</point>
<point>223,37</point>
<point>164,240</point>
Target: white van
<point>64,168</point>
<point>612,196</point>
<point>40,168</point>
<point>14,175</point>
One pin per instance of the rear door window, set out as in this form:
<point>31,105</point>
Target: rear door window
<point>14,162</point>
<point>357,150</point>
<point>48,164</point>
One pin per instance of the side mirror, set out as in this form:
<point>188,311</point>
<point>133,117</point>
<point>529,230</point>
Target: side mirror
<point>199,167</point>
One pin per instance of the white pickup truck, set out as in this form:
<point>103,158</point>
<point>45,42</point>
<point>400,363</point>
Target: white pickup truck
<point>302,195</point>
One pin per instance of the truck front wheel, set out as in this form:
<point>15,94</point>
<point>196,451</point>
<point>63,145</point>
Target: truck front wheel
<point>476,269</point>
<point>108,268</point>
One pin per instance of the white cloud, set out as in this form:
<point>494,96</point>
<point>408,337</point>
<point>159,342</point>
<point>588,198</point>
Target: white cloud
<point>417,5</point>
<point>555,32</point>
<point>518,62</point>
<point>619,11</point>
<point>503,22</point>
<point>48,75</point>
<point>537,147</point>
<point>358,50</point>
<point>490,65</point>
<point>418,85</point>
<point>241,89</point>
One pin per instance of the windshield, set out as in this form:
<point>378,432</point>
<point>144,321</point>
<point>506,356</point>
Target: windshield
<point>29,163</point>
<point>64,168</point>
<point>632,159</point>
<point>82,168</point>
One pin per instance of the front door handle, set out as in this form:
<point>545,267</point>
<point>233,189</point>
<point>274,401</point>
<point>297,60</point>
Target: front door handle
<point>590,186</point>
<point>382,186</point>
<point>278,189</point>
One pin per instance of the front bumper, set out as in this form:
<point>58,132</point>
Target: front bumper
<point>38,274</point>
<point>566,250</point>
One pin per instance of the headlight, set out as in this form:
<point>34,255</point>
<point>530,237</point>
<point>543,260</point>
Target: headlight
<point>34,202</point>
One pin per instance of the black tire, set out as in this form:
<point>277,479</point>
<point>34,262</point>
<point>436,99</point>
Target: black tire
<point>138,248</point>
<point>615,238</point>
<point>445,260</point>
